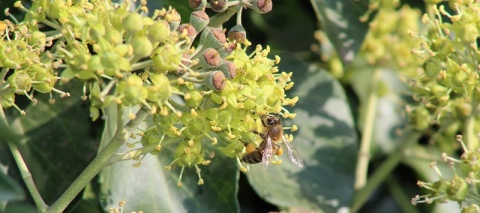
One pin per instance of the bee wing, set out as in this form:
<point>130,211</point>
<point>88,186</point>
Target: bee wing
<point>267,153</point>
<point>293,154</point>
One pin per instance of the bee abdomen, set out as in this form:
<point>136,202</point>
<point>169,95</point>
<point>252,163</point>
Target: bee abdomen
<point>253,157</point>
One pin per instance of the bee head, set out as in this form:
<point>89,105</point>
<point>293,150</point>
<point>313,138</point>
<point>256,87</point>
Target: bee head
<point>271,119</point>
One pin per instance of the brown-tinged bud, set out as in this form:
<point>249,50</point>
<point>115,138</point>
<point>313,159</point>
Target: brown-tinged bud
<point>212,37</point>
<point>197,4</point>
<point>237,34</point>
<point>226,50</point>
<point>228,69</point>
<point>210,58</point>
<point>219,5</point>
<point>262,6</point>
<point>199,20</point>
<point>215,80</point>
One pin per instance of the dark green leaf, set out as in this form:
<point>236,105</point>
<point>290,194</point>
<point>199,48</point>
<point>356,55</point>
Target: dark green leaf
<point>152,188</point>
<point>327,142</point>
<point>7,134</point>
<point>9,189</point>
<point>340,21</point>
<point>59,141</point>
<point>289,26</point>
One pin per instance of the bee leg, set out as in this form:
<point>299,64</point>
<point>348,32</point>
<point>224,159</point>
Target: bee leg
<point>244,143</point>
<point>242,168</point>
<point>259,133</point>
<point>276,161</point>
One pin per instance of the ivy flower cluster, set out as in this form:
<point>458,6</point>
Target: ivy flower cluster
<point>462,187</point>
<point>447,89</point>
<point>212,92</point>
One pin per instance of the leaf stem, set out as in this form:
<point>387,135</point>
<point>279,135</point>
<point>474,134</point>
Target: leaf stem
<point>101,160</point>
<point>367,134</point>
<point>27,178</point>
<point>382,172</point>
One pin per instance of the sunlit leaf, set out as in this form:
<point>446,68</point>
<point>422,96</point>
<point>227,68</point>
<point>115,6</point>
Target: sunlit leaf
<point>389,114</point>
<point>326,140</point>
<point>152,188</point>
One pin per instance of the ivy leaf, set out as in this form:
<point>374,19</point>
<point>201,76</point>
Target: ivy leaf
<point>326,141</point>
<point>387,117</point>
<point>9,189</point>
<point>341,22</point>
<point>152,188</point>
<point>56,138</point>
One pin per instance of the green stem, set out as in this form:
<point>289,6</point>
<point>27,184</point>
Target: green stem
<point>27,178</point>
<point>132,154</point>
<point>101,160</point>
<point>367,134</point>
<point>142,65</point>
<point>220,18</point>
<point>469,134</point>
<point>382,172</point>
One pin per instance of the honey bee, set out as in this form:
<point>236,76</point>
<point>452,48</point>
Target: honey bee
<point>272,137</point>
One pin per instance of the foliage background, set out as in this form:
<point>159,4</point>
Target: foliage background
<point>62,140</point>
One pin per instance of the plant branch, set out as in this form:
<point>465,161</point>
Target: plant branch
<point>367,134</point>
<point>101,160</point>
<point>469,134</point>
<point>382,172</point>
<point>220,18</point>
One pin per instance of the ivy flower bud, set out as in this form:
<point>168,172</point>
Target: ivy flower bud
<point>167,58</point>
<point>228,68</point>
<point>458,189</point>
<point>199,20</point>
<point>142,47</point>
<point>210,58</point>
<point>114,36</point>
<point>159,31</point>
<point>46,80</point>
<point>38,39</point>
<point>213,37</point>
<point>197,4</point>
<point>262,6</point>
<point>215,80</point>
<point>8,100</point>
<point>219,5</point>
<point>133,22</point>
<point>20,81</point>
<point>161,89</point>
<point>237,34</point>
